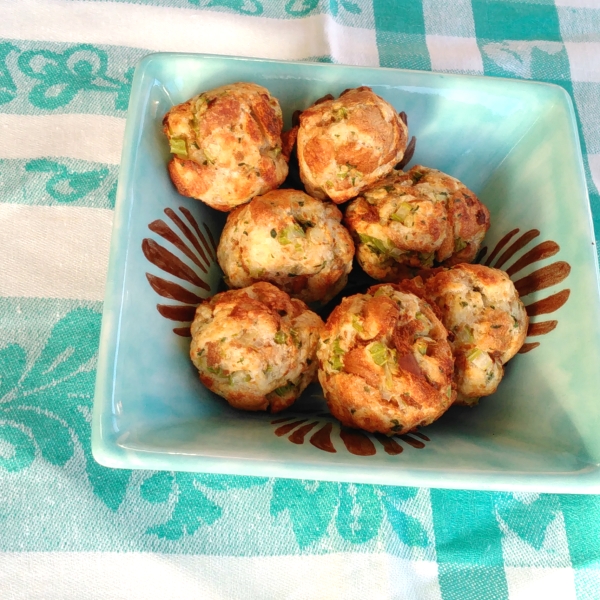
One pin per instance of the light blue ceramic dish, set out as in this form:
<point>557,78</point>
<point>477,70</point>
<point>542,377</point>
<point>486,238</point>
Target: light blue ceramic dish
<point>514,143</point>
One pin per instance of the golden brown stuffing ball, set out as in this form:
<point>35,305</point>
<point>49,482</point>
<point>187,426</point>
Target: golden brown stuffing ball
<point>385,363</point>
<point>409,221</point>
<point>227,145</point>
<point>291,240</point>
<point>487,320</point>
<point>255,346</point>
<point>347,144</point>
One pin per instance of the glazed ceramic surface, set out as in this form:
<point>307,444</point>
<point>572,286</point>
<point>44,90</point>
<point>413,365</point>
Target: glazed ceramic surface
<point>513,143</point>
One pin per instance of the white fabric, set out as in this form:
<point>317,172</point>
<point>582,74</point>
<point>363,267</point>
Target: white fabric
<point>116,576</point>
<point>454,54</point>
<point>181,30</point>
<point>594,160</point>
<point>527,583</point>
<point>585,61</point>
<point>97,138</point>
<point>74,260</point>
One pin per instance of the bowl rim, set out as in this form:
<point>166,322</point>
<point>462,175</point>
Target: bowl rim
<point>111,454</point>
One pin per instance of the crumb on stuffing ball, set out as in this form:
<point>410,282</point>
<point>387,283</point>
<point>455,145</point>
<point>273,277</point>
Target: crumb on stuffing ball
<point>347,144</point>
<point>488,324</point>
<point>291,240</point>
<point>227,145</point>
<point>385,363</point>
<point>255,346</point>
<point>413,221</point>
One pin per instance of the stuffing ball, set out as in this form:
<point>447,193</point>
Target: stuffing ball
<point>488,323</point>
<point>409,221</point>
<point>347,144</point>
<point>255,347</point>
<point>385,363</point>
<point>291,240</point>
<point>227,145</point>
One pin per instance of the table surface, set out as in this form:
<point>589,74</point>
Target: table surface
<point>72,529</point>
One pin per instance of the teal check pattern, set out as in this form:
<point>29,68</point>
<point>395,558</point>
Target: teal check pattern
<point>70,528</point>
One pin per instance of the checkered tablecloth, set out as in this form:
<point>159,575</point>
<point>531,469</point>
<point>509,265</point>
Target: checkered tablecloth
<point>70,529</point>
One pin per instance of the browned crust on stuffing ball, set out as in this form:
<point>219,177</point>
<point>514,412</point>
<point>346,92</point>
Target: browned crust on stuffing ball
<point>192,179</point>
<point>411,221</point>
<point>384,362</point>
<point>288,141</point>
<point>290,240</point>
<point>227,143</point>
<point>481,308</point>
<point>344,145</point>
<point>255,346</point>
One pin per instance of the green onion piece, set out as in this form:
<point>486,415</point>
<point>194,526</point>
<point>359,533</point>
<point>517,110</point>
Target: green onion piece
<point>473,354</point>
<point>284,390</point>
<point>280,337</point>
<point>290,233</point>
<point>336,362</point>
<point>357,324</point>
<point>426,259</point>
<point>515,322</point>
<point>479,358</point>
<point>403,211</point>
<point>220,373</point>
<point>422,347</point>
<point>469,334</point>
<point>396,425</point>
<point>459,244</point>
<point>416,177</point>
<point>373,195</point>
<point>178,146</point>
<point>449,391</point>
<point>340,113</point>
<point>304,225</point>
<point>209,157</point>
<point>295,338</point>
<point>375,245</point>
<point>257,273</point>
<point>379,353</point>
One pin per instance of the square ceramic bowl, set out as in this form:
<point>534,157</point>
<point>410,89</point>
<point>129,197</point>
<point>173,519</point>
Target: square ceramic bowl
<point>514,143</point>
